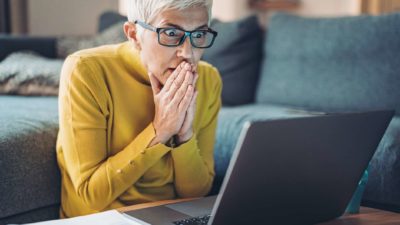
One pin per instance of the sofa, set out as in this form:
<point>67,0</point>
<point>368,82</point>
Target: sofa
<point>294,67</point>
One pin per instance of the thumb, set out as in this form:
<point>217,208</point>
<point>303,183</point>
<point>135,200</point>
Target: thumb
<point>155,84</point>
<point>196,77</point>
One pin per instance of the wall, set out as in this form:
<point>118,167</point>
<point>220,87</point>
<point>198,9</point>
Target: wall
<point>18,9</point>
<point>66,17</point>
<point>329,7</point>
<point>224,9</point>
<point>80,17</point>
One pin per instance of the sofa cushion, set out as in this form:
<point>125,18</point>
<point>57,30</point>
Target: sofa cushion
<point>349,63</point>
<point>111,35</point>
<point>27,73</point>
<point>29,174</point>
<point>237,54</point>
<point>35,215</point>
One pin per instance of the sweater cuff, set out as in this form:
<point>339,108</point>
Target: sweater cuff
<point>182,150</point>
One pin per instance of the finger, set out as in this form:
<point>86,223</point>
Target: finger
<point>173,76</point>
<point>190,114</point>
<point>186,124</point>
<point>183,105</point>
<point>196,77</point>
<point>180,93</point>
<point>177,83</point>
<point>196,93</point>
<point>192,107</point>
<point>155,83</point>
<point>194,68</point>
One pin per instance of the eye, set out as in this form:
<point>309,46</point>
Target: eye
<point>171,32</point>
<point>199,34</point>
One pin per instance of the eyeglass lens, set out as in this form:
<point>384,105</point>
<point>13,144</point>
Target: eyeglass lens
<point>173,37</point>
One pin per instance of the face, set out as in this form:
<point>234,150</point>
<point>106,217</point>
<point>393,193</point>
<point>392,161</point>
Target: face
<point>162,60</point>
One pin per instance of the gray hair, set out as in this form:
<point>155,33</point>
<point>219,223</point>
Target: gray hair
<point>146,10</point>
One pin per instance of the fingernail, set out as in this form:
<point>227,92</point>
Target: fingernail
<point>187,66</point>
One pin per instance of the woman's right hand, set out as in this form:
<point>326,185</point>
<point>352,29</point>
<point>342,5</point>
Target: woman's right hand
<point>171,102</point>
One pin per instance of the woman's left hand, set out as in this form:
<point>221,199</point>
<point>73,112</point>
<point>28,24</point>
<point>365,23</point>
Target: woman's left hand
<point>186,131</point>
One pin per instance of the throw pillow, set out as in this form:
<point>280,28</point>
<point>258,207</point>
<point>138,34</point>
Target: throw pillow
<point>27,73</point>
<point>110,18</point>
<point>112,35</point>
<point>237,54</point>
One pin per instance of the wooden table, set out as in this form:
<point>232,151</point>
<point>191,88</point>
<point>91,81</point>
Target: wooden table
<point>367,216</point>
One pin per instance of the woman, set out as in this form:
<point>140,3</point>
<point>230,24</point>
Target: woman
<point>138,119</point>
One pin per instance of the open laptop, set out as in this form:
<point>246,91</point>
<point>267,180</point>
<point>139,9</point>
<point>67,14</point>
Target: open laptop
<point>290,171</point>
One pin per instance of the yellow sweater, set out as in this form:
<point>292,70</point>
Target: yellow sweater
<point>106,110</point>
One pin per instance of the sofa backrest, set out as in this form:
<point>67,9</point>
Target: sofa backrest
<point>332,64</point>
<point>45,46</point>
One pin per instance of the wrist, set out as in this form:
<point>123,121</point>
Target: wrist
<point>180,139</point>
<point>159,138</point>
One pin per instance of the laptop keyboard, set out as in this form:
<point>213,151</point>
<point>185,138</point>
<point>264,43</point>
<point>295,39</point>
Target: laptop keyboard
<point>200,220</point>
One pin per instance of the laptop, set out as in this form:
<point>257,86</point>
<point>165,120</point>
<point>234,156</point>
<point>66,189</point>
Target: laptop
<point>289,171</point>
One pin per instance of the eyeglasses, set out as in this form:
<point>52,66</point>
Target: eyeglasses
<point>172,37</point>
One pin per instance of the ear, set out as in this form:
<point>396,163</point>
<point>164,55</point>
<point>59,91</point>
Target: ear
<point>131,34</point>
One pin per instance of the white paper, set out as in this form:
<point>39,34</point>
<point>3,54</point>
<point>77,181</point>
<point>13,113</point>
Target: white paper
<point>111,217</point>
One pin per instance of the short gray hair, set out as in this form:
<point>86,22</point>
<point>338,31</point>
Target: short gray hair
<point>146,10</point>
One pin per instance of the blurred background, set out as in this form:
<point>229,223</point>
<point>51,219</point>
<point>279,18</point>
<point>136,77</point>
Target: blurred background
<point>76,17</point>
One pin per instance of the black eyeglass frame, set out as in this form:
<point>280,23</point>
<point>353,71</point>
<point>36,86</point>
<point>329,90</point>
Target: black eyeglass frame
<point>183,38</point>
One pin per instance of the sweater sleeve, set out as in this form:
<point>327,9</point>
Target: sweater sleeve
<point>98,177</point>
<point>194,160</point>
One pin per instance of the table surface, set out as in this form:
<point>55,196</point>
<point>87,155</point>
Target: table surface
<point>367,216</point>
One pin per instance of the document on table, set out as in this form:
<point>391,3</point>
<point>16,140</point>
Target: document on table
<point>111,217</point>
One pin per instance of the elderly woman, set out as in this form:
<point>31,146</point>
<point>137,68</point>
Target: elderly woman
<point>138,119</point>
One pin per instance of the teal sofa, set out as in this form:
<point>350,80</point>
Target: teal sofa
<point>304,64</point>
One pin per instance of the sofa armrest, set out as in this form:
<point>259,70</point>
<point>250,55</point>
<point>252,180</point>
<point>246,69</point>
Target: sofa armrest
<point>45,46</point>
<point>30,178</point>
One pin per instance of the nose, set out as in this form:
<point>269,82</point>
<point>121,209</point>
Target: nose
<point>186,50</point>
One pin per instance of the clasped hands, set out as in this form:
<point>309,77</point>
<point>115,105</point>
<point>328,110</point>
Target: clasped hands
<point>175,105</point>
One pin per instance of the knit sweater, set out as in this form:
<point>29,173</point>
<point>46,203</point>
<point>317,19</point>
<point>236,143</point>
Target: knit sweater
<point>106,110</point>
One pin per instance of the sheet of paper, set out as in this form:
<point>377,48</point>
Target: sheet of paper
<point>111,217</point>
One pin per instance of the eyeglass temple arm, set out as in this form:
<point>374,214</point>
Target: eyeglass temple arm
<point>145,25</point>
